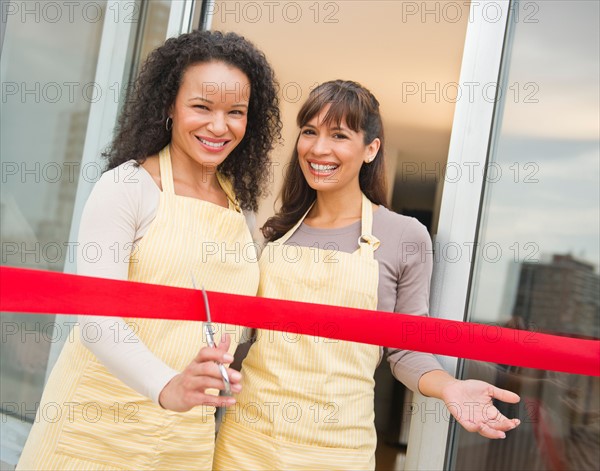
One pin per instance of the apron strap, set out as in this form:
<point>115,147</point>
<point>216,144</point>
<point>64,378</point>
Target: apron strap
<point>166,171</point>
<point>227,187</point>
<point>166,179</point>
<point>289,233</point>
<point>367,242</point>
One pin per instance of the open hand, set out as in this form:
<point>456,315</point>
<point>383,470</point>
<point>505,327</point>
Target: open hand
<point>470,402</point>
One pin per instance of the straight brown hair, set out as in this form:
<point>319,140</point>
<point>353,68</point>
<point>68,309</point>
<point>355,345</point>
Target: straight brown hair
<point>353,103</point>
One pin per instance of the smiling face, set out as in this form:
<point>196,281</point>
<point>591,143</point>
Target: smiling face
<point>210,113</point>
<point>331,155</point>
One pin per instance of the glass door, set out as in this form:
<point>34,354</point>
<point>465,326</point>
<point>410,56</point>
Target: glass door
<point>46,99</point>
<point>536,264</point>
<point>409,55</point>
<point>65,68</point>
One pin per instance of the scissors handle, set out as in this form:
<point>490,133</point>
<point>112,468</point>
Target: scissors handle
<point>210,340</point>
<point>211,343</point>
<point>225,376</point>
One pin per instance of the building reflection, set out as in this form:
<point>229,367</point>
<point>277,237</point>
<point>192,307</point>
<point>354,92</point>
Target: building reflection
<point>559,412</point>
<point>560,296</point>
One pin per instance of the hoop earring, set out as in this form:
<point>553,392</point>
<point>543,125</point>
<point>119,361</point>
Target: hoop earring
<point>169,124</point>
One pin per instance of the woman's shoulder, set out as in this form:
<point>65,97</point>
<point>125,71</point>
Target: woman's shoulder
<point>127,188</point>
<point>399,226</point>
<point>126,193</point>
<point>126,179</point>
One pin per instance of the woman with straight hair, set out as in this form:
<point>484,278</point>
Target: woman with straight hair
<point>307,402</point>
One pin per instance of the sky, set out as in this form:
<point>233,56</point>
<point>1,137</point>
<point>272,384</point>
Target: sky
<point>547,199</point>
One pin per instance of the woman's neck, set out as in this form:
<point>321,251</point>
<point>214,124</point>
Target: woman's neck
<point>195,180</point>
<point>192,173</point>
<point>335,209</point>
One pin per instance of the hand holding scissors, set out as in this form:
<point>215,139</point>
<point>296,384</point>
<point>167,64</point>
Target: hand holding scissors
<point>208,330</point>
<point>188,388</point>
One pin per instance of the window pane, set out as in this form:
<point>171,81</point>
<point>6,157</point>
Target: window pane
<point>536,267</point>
<point>50,53</point>
<point>409,55</point>
<point>46,98</point>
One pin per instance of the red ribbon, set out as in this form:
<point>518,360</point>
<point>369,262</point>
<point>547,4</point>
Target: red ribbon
<point>34,291</point>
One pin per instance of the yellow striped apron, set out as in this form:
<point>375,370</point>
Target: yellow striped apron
<point>102,424</point>
<point>306,401</point>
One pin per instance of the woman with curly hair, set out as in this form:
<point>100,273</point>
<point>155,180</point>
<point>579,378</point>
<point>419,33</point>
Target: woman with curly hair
<point>307,402</point>
<point>190,154</point>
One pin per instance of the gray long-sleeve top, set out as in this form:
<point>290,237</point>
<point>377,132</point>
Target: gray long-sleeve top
<point>405,263</point>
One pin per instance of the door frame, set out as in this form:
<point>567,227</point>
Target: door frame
<point>470,142</point>
<point>113,67</point>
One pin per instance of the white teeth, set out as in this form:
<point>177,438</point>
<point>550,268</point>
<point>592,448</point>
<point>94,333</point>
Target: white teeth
<point>322,168</point>
<point>216,145</point>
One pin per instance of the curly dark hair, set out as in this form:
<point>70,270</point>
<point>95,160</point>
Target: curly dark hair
<point>348,101</point>
<point>141,128</point>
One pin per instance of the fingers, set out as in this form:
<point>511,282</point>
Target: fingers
<point>206,375</point>
<point>185,391</point>
<point>491,429</point>
<point>225,343</point>
<point>219,354</point>
<point>497,428</point>
<point>202,383</point>
<point>486,420</point>
<point>211,369</point>
<point>213,354</point>
<point>489,432</point>
<point>188,389</point>
<point>505,395</point>
<point>235,380</point>
<point>198,398</point>
<point>494,419</point>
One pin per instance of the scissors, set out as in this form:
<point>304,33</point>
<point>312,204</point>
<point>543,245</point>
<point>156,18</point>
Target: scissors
<point>208,330</point>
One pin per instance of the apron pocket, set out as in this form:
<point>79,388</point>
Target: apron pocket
<point>298,456</point>
<point>239,447</point>
<point>107,422</point>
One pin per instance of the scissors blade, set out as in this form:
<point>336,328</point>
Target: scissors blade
<point>207,324</point>
<point>208,329</point>
<point>206,306</point>
<point>210,339</point>
<point>204,296</point>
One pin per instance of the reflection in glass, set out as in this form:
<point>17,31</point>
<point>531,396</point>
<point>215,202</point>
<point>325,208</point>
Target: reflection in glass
<point>46,99</point>
<point>536,264</point>
<point>151,33</point>
<point>48,65</point>
<point>562,295</point>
